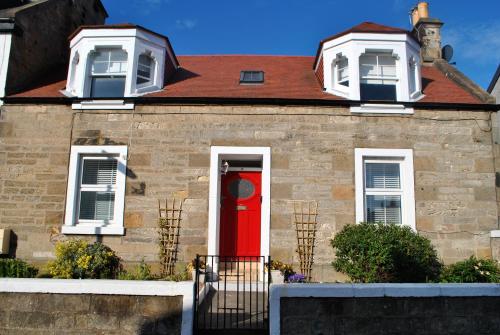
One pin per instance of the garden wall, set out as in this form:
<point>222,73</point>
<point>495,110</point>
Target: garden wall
<point>48,306</point>
<point>385,309</point>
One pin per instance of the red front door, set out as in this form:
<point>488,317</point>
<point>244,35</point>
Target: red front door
<point>240,214</point>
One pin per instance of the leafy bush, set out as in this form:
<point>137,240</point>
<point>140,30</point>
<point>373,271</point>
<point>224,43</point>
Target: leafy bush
<point>371,253</point>
<point>181,276</point>
<point>16,268</point>
<point>80,259</point>
<point>141,272</point>
<point>472,270</point>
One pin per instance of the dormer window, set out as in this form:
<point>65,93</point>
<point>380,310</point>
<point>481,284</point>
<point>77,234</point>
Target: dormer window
<point>378,76</point>
<point>145,70</point>
<point>117,62</point>
<point>108,73</point>
<point>376,66</point>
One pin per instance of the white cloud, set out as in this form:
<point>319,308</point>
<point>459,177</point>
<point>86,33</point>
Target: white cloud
<point>186,23</point>
<point>476,42</point>
<point>146,7</point>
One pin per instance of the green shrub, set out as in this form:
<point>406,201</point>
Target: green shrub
<point>380,253</point>
<point>181,276</point>
<point>472,270</point>
<point>141,272</point>
<point>16,268</point>
<point>80,259</point>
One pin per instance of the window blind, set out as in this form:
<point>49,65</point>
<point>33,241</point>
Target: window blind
<point>383,208</point>
<point>97,205</point>
<point>382,175</point>
<point>99,172</point>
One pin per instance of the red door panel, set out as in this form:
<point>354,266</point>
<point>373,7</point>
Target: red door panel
<point>240,214</point>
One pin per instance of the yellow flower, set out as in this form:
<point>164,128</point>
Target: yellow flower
<point>84,261</point>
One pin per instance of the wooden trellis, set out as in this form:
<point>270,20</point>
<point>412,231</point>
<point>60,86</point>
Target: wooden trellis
<point>169,223</point>
<point>305,218</point>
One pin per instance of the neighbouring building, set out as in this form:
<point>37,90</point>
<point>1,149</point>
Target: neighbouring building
<point>33,38</point>
<point>494,87</point>
<point>375,127</point>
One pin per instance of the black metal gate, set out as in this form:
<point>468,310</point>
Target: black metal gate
<point>231,295</point>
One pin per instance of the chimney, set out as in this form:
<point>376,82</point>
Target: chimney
<point>428,31</point>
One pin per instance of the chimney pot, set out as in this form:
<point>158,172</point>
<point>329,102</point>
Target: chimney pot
<point>423,10</point>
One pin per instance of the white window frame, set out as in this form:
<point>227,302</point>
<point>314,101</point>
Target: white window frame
<point>119,74</point>
<point>92,227</point>
<point>402,156</point>
<point>379,76</point>
<point>152,72</point>
<point>336,74</point>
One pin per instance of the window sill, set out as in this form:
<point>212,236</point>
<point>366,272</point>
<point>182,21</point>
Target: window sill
<point>382,109</point>
<point>495,233</point>
<point>91,230</point>
<point>103,104</point>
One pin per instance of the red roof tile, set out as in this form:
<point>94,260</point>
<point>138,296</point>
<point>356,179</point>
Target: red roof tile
<point>286,77</point>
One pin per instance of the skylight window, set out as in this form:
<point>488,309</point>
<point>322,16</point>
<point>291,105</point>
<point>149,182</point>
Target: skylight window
<point>251,77</point>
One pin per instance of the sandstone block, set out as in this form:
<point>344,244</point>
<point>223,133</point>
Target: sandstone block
<point>199,160</point>
<point>139,159</point>
<point>134,220</point>
<point>343,192</point>
<point>279,161</point>
<point>281,191</point>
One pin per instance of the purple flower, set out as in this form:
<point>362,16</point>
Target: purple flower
<point>297,278</point>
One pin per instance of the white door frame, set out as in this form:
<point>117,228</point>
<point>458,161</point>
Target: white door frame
<point>219,153</point>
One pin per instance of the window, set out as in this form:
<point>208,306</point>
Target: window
<point>251,77</point>
<point>412,76</point>
<point>145,70</point>
<point>96,190</point>
<point>342,71</point>
<point>108,73</point>
<point>384,186</point>
<point>378,77</point>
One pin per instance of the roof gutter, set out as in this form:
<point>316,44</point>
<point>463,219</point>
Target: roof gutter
<point>254,101</point>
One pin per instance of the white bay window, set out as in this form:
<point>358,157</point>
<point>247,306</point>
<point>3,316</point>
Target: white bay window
<point>385,186</point>
<point>96,190</point>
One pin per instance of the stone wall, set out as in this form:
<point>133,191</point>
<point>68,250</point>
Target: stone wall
<point>364,316</point>
<point>37,313</point>
<point>312,158</point>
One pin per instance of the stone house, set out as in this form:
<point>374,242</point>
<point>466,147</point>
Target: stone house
<point>375,127</point>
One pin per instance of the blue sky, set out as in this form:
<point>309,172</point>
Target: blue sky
<point>293,27</point>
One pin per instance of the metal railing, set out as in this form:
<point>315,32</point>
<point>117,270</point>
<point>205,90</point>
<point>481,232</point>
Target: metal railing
<point>231,294</point>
